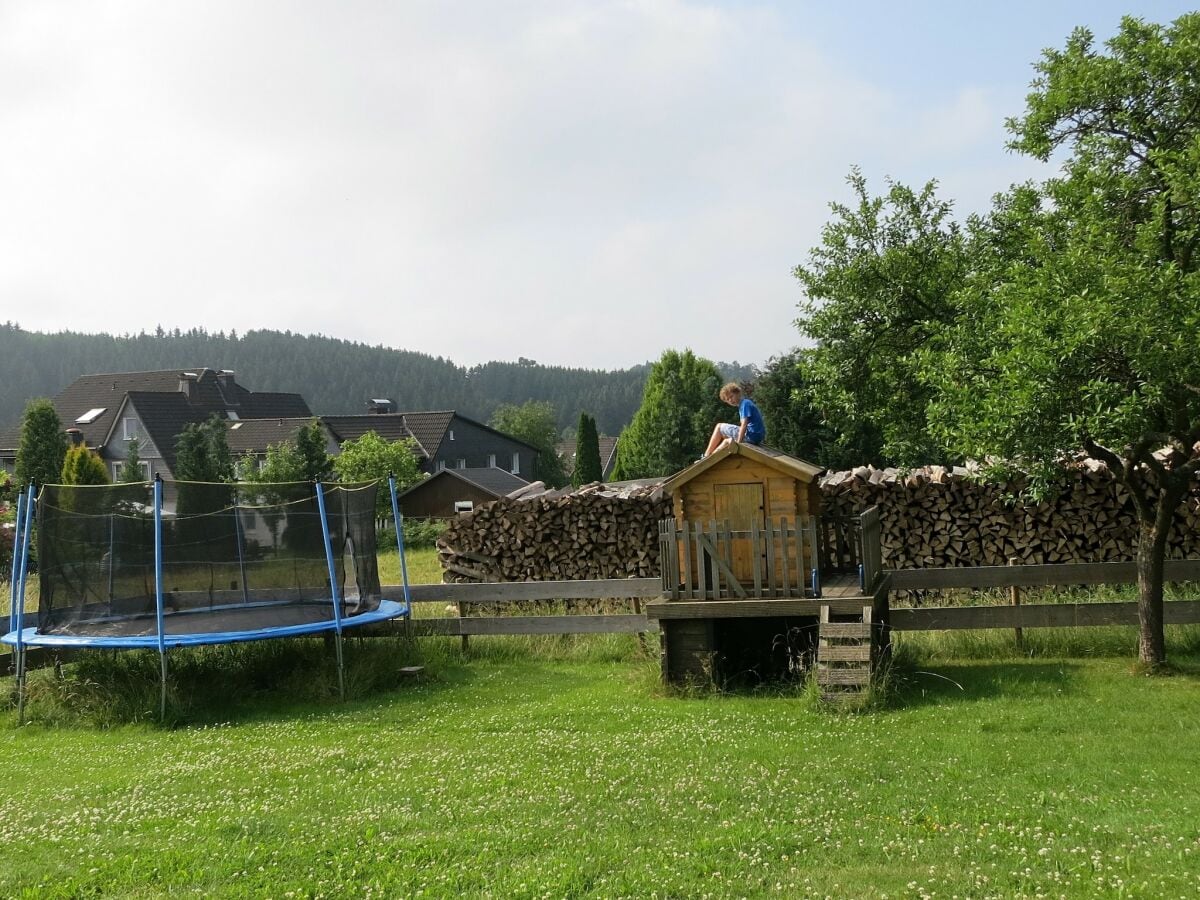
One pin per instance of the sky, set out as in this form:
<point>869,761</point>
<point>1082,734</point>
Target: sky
<point>584,184</point>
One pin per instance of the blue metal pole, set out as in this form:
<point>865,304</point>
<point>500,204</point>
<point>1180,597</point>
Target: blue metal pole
<point>398,521</point>
<point>158,564</point>
<point>333,588</point>
<point>20,603</point>
<point>19,597</point>
<point>16,563</point>
<point>158,593</point>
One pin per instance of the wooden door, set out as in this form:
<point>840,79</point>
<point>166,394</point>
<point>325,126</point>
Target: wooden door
<point>741,504</point>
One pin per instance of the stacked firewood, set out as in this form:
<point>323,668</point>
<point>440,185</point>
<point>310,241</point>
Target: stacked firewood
<point>937,516</point>
<point>597,531</point>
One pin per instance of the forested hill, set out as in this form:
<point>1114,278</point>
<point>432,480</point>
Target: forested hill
<point>334,376</point>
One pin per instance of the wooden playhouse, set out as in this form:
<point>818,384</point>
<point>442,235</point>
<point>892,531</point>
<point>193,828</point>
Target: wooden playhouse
<point>756,583</point>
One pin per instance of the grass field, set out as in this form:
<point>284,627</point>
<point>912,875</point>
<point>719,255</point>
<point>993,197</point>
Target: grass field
<point>559,768</point>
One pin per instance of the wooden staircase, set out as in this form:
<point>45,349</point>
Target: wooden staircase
<point>845,652</point>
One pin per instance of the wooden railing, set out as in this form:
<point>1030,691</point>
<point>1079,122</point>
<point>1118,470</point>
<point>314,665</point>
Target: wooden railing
<point>716,562</point>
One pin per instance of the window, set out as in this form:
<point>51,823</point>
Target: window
<point>232,415</point>
<point>91,415</point>
<point>142,464</point>
<point>451,434</point>
<point>463,506</point>
<point>491,460</point>
<point>129,426</point>
<point>461,464</point>
<point>516,466</point>
<point>441,464</point>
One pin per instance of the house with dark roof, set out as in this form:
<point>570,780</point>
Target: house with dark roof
<point>106,412</point>
<point>453,491</point>
<point>444,440</point>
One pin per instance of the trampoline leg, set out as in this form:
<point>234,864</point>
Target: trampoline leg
<point>21,686</point>
<point>162,702</point>
<point>337,645</point>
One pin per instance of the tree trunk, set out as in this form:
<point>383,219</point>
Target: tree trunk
<point>1151,552</point>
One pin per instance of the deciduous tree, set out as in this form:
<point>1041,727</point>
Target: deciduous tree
<point>535,423</point>
<point>1082,329</point>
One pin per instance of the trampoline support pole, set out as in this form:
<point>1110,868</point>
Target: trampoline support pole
<point>333,587</point>
<point>158,591</point>
<point>237,527</point>
<point>398,521</point>
<point>18,603</point>
<point>162,700</point>
<point>15,574</point>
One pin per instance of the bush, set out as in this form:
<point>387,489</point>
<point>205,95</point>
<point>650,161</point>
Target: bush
<point>418,534</point>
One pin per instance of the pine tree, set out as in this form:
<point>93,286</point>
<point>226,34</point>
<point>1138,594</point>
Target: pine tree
<point>131,468</point>
<point>588,467</point>
<point>315,462</point>
<point>43,445</point>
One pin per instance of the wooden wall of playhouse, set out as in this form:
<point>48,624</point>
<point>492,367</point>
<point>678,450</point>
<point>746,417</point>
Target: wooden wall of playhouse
<point>930,517</point>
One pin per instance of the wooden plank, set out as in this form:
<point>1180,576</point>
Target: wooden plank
<point>687,562</point>
<point>769,534</point>
<point>783,560</point>
<point>860,653</point>
<point>756,557</point>
<point>701,563</point>
<point>618,624</point>
<point>507,591</point>
<point>858,630</point>
<point>747,609</point>
<point>721,568</point>
<point>843,676</point>
<point>1037,575</point>
<point>1050,615</point>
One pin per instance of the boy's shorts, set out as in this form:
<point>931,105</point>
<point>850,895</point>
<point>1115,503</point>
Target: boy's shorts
<point>730,431</point>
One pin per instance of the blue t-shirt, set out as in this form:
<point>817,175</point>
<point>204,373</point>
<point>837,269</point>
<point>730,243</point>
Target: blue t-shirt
<point>756,430</point>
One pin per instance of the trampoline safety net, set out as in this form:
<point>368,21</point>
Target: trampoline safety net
<point>235,557</point>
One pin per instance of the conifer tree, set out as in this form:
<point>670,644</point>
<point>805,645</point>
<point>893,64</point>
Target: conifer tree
<point>43,445</point>
<point>588,467</point>
<point>83,466</point>
<point>131,469</point>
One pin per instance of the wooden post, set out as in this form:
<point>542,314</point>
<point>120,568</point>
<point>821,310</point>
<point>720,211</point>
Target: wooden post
<point>1015,593</point>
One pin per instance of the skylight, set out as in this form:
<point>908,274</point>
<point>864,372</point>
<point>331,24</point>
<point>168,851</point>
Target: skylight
<point>91,415</point>
<point>233,416</point>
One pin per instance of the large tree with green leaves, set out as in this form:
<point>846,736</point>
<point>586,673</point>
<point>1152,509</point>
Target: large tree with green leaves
<point>43,444</point>
<point>1081,330</point>
<point>371,458</point>
<point>671,428</point>
<point>534,422</point>
<point>588,467</point>
<point>878,287</point>
<point>798,426</point>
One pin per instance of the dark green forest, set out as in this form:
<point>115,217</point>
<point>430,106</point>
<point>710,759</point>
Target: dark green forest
<point>334,376</point>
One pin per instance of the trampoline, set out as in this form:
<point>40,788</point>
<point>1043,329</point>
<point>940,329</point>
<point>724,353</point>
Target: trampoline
<point>168,564</point>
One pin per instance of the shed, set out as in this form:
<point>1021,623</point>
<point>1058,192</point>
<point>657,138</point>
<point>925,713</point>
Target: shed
<point>451,491</point>
<point>762,504</point>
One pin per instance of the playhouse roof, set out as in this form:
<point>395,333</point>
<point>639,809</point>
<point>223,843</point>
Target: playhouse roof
<point>775,459</point>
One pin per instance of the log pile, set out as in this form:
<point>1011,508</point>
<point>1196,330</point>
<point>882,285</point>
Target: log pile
<point>598,531</point>
<point>930,517</point>
<point>937,516</point>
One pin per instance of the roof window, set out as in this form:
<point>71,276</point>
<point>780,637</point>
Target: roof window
<point>91,415</point>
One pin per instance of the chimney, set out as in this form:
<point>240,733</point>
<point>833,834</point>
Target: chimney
<point>187,381</point>
<point>380,406</point>
<point>225,379</point>
<point>74,437</point>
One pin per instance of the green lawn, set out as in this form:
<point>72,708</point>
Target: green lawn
<point>560,768</point>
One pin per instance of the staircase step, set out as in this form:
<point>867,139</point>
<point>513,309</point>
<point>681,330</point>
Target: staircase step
<point>860,653</point>
<point>845,630</point>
